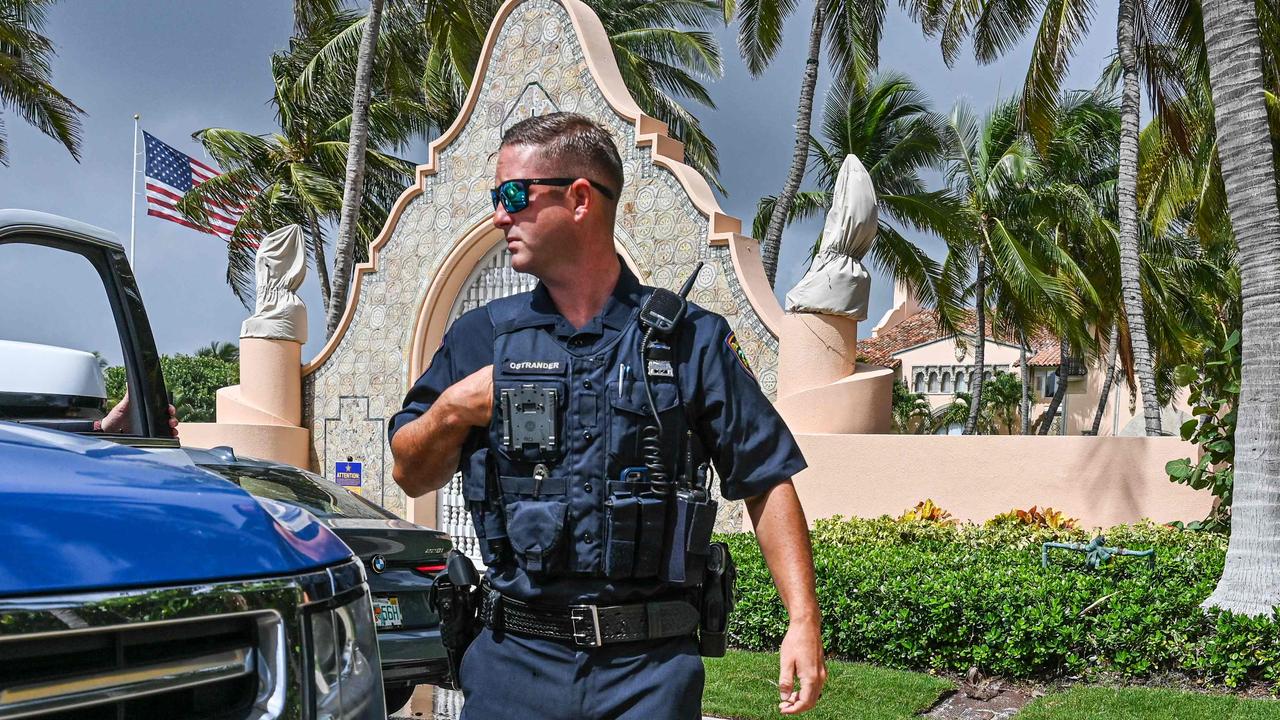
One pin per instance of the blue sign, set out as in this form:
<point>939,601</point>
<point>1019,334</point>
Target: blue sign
<point>348,474</point>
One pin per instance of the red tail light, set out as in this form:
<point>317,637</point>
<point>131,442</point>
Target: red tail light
<point>429,569</point>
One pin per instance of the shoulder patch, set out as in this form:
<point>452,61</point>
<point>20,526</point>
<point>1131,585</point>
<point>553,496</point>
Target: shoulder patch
<point>731,341</point>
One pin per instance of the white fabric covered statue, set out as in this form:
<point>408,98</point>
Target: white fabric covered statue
<point>837,283</point>
<point>279,269</point>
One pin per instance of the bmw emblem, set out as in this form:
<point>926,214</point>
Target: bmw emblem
<point>378,563</point>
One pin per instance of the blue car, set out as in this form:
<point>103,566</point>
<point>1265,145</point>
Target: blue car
<point>134,584</point>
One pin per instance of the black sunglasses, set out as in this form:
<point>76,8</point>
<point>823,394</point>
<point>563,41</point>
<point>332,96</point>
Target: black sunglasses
<point>514,194</point>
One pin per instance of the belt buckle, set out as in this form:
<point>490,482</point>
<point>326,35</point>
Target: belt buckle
<point>587,636</point>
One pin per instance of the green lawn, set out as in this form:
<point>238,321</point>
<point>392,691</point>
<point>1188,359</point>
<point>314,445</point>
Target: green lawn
<point>1092,703</point>
<point>740,685</point>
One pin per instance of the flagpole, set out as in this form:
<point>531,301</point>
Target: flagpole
<point>133,194</point>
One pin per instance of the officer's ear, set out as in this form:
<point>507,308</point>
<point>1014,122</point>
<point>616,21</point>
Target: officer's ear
<point>582,199</point>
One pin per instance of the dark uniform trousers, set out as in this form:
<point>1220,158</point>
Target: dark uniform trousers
<point>526,678</point>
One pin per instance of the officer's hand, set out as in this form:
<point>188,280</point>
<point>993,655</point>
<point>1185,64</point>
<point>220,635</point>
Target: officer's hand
<point>471,398</point>
<point>801,657</point>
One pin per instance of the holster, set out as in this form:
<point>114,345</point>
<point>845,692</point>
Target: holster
<point>455,597</point>
<point>717,601</point>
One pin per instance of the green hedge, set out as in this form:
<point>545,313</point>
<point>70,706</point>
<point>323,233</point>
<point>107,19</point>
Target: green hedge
<point>923,596</point>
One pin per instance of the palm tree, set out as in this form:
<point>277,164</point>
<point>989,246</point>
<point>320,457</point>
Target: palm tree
<point>889,125</point>
<point>852,33</point>
<point>1250,580</point>
<point>353,184</point>
<point>988,165</point>
<point>957,412</point>
<point>1146,30</point>
<point>911,411</point>
<point>295,176</point>
<point>1002,398</point>
<point>224,351</point>
<point>1074,195</point>
<point>26,86</point>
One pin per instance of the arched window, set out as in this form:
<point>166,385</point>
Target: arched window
<point>933,382</point>
<point>946,382</point>
<point>919,384</point>
<point>962,381</point>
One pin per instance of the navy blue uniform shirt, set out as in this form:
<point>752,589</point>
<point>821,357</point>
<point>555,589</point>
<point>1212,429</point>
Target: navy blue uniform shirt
<point>750,447</point>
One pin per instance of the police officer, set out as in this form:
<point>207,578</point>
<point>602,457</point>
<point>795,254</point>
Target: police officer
<point>583,434</point>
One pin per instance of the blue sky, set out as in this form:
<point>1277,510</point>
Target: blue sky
<point>186,65</point>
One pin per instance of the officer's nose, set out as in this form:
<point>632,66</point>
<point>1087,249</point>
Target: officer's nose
<point>501,218</point>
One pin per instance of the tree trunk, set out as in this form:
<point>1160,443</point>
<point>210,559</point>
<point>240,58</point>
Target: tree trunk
<point>1127,192</point>
<point>322,266</point>
<point>979,348</point>
<point>1113,345</point>
<point>1064,355</point>
<point>353,187</point>
<point>771,244</point>
<point>1250,580</point>
<point>1024,400</point>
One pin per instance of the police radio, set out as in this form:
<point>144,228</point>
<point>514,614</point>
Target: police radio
<point>660,315</point>
<point>664,309</point>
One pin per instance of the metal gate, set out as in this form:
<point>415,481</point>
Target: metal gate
<point>493,278</point>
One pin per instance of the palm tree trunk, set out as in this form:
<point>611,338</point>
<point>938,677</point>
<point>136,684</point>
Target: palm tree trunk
<point>980,345</point>
<point>1250,580</point>
<point>1059,392</point>
<point>1128,206</point>
<point>322,266</point>
<point>772,242</point>
<point>353,187</point>
<point>1113,343</point>
<point>1024,400</point>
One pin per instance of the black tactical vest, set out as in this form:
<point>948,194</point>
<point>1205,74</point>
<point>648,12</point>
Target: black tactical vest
<point>577,478</point>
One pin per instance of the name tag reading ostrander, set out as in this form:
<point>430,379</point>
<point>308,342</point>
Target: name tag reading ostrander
<point>535,367</point>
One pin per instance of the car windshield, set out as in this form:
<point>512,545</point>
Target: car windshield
<point>304,489</point>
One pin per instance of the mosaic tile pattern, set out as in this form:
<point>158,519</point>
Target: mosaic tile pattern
<point>537,66</point>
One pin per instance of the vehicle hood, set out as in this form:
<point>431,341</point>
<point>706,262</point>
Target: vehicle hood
<point>80,514</point>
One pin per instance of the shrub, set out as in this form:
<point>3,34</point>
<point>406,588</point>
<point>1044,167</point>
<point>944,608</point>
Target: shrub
<point>192,380</point>
<point>1035,517</point>
<point>929,596</point>
<point>926,511</point>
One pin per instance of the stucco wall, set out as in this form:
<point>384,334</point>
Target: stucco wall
<point>1102,481</point>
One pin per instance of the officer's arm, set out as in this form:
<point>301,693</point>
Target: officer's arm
<point>783,534</point>
<point>427,450</point>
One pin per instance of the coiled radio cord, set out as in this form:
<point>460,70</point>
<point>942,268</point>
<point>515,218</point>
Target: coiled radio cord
<point>651,435</point>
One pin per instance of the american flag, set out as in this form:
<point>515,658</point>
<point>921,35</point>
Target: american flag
<point>170,174</point>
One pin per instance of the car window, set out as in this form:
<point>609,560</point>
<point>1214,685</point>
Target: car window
<point>304,489</point>
<point>58,336</point>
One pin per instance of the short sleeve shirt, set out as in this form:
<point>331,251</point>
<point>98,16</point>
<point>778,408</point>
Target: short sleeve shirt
<point>751,448</point>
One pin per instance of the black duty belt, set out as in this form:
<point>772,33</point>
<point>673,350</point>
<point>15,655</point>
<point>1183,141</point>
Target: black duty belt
<point>590,625</point>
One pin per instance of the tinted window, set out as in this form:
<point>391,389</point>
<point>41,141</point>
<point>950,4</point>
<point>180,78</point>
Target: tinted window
<point>58,334</point>
<point>304,489</point>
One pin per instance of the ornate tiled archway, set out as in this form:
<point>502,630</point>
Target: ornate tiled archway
<point>540,55</point>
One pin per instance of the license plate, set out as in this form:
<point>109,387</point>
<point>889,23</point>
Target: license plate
<point>386,613</point>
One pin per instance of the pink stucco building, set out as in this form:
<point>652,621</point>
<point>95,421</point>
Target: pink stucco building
<point>909,341</point>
